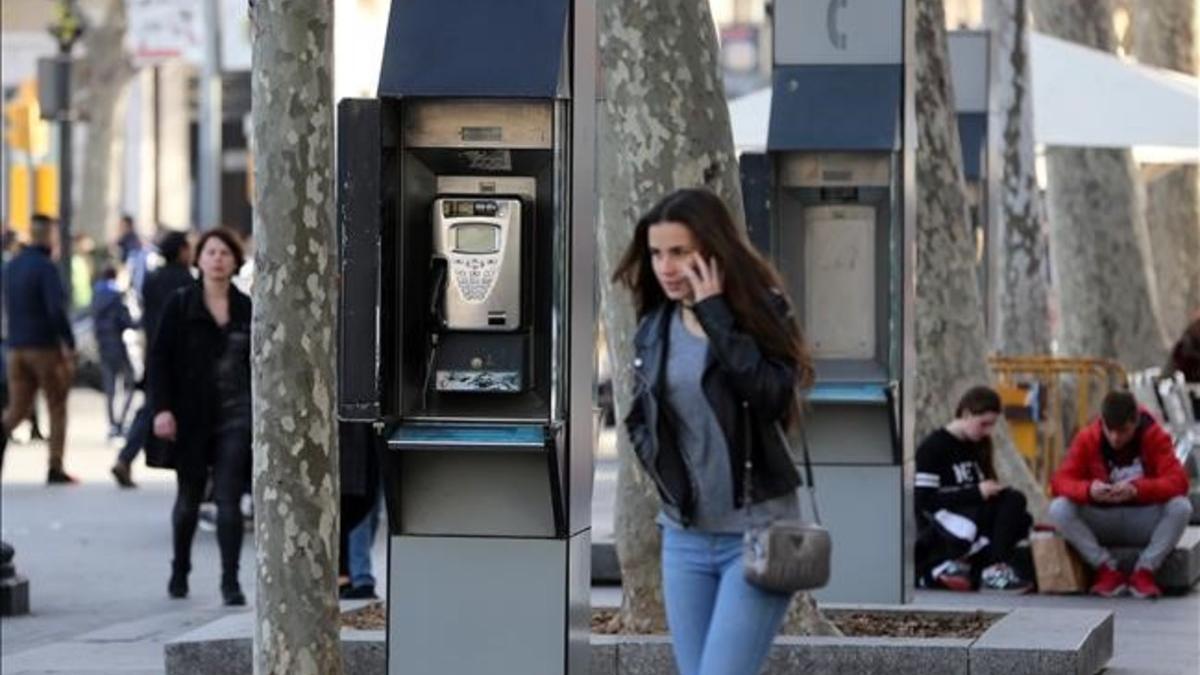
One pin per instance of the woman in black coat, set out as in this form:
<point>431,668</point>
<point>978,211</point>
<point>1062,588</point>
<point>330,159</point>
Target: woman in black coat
<point>200,388</point>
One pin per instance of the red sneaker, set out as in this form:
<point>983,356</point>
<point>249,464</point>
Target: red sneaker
<point>1110,582</point>
<point>1141,584</point>
<point>953,575</point>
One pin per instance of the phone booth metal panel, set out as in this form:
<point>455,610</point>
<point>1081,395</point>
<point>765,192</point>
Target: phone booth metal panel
<point>466,208</point>
<point>969,52</point>
<point>837,223</point>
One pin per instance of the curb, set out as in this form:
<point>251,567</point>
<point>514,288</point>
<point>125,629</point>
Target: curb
<point>1030,641</point>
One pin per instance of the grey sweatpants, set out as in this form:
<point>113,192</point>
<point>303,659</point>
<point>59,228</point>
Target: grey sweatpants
<point>1156,527</point>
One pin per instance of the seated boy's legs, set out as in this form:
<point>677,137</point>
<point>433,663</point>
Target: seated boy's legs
<point>1155,528</point>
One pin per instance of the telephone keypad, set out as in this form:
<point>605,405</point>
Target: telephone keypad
<point>474,277</point>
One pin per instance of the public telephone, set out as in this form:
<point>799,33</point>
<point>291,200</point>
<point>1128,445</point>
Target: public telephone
<point>477,340</point>
<point>466,213</point>
<point>477,263</point>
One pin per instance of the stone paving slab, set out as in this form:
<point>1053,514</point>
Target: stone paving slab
<point>1150,637</point>
<point>128,648</point>
<point>1027,640</point>
<point>1180,571</point>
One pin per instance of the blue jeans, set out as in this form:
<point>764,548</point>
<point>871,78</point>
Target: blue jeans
<point>720,625</point>
<point>139,430</point>
<point>362,539</point>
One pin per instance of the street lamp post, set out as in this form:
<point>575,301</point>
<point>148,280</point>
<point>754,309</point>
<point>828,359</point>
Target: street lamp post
<point>67,28</point>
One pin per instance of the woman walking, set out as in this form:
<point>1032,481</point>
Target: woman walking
<point>719,362</point>
<point>968,524</point>
<point>200,389</point>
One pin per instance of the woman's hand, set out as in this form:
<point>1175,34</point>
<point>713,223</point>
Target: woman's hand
<point>705,277</point>
<point>164,425</point>
<point>989,489</point>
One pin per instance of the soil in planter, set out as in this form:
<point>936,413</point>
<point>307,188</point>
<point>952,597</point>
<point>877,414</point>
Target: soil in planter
<point>852,624</point>
<point>897,624</point>
<point>371,617</point>
<point>867,624</point>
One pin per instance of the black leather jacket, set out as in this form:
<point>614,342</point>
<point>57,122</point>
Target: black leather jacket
<point>748,392</point>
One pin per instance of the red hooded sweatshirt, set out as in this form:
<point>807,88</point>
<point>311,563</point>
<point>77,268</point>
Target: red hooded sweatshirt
<point>1150,453</point>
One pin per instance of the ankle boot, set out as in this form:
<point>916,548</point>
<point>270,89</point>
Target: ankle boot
<point>231,591</point>
<point>177,587</point>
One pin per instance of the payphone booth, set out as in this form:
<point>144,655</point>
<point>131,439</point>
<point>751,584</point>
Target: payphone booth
<point>969,70</point>
<point>466,214</point>
<point>832,216</point>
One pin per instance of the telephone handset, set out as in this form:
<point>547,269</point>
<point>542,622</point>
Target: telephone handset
<point>477,264</point>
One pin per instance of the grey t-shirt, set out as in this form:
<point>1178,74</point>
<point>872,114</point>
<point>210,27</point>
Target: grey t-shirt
<point>702,442</point>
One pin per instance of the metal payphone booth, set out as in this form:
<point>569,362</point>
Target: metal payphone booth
<point>466,214</point>
<point>835,227</point>
<point>969,70</point>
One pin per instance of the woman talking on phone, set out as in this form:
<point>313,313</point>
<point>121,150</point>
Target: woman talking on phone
<point>719,360</point>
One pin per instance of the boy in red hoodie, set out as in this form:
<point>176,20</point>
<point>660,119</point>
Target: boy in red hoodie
<point>1121,485</point>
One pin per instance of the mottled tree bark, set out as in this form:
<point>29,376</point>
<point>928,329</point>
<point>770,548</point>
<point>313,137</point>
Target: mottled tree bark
<point>295,452</point>
<point>1164,35</point>
<point>1098,236</point>
<point>1019,256</point>
<point>950,339</point>
<point>664,124</point>
<point>103,75</point>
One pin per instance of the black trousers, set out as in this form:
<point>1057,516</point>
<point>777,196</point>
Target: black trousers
<point>229,454</point>
<point>1003,519</point>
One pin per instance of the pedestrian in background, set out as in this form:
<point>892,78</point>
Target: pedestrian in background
<point>199,380</point>
<point>41,344</point>
<point>133,253</point>
<point>127,241</point>
<point>359,472</point>
<point>174,274</point>
<point>968,523</point>
<point>719,361</point>
<point>110,320</point>
<point>81,271</point>
<point>1185,359</point>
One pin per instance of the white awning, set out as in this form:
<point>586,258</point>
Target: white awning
<point>750,117</point>
<point>1081,97</point>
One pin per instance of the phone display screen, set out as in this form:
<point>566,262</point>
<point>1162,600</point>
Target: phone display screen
<point>476,238</point>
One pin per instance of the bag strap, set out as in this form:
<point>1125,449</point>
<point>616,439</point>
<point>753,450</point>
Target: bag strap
<point>809,484</point>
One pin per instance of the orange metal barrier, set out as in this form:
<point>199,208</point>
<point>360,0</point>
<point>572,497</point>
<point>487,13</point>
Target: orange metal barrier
<point>1038,392</point>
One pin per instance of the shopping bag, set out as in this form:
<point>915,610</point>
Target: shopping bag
<point>1058,567</point>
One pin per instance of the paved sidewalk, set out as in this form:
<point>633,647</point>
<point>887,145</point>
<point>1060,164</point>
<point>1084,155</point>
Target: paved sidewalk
<point>1159,637</point>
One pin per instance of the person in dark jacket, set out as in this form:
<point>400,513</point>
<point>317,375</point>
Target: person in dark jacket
<point>1185,359</point>
<point>40,341</point>
<point>160,284</point>
<point>719,361</point>
<point>968,523</point>
<point>199,380</point>
<point>110,320</point>
<point>359,472</point>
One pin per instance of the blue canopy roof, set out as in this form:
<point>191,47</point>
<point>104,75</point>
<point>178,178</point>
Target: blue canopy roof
<point>475,48</point>
<point>836,107</point>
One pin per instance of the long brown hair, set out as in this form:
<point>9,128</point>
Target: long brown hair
<point>749,280</point>
<point>980,400</point>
